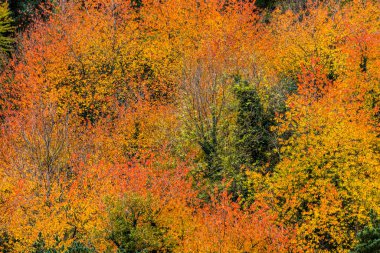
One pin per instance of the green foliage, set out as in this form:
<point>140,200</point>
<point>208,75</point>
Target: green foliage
<point>253,136</point>
<point>25,11</point>
<point>39,246</point>
<point>243,141</point>
<point>295,5</point>
<point>135,226</point>
<point>6,242</point>
<point>78,247</point>
<point>6,28</point>
<point>369,237</point>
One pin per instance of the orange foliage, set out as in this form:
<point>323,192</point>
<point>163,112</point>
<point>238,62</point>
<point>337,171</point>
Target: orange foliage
<point>95,103</point>
<point>328,178</point>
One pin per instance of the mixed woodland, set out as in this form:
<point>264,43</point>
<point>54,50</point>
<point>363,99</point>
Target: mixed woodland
<point>189,126</point>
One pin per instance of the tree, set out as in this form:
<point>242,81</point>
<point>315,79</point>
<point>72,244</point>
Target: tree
<point>6,28</point>
<point>254,137</point>
<point>326,187</point>
<point>210,60</point>
<point>369,237</point>
<point>134,226</point>
<point>24,12</point>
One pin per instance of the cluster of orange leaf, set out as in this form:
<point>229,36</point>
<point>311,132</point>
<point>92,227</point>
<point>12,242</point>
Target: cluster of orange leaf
<point>107,103</point>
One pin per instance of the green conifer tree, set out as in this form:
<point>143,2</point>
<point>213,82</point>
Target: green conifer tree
<point>6,28</point>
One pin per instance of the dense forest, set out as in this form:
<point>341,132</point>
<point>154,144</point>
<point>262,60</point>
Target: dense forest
<point>189,126</point>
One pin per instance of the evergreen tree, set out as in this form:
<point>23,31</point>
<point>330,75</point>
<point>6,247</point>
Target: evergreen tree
<point>253,135</point>
<point>369,237</point>
<point>6,28</point>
